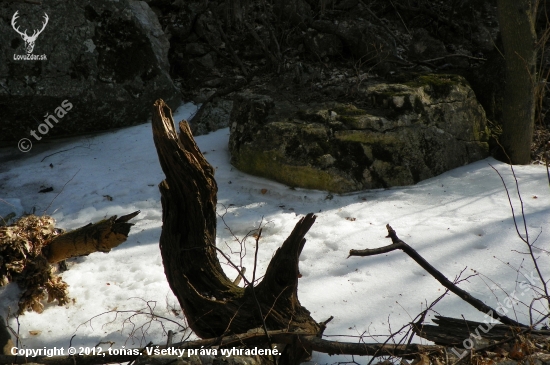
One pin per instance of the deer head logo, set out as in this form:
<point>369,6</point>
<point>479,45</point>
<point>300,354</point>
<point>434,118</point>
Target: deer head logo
<point>29,40</point>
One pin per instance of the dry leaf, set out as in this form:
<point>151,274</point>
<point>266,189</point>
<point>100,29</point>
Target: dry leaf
<point>35,333</point>
<point>517,352</point>
<point>421,359</point>
<point>263,191</point>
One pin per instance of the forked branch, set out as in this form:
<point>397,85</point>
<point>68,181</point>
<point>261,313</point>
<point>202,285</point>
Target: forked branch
<point>398,244</point>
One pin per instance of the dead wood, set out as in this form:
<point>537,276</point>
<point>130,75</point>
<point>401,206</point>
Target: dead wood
<point>398,244</point>
<point>31,245</point>
<point>213,305</point>
<point>99,237</point>
<point>453,331</point>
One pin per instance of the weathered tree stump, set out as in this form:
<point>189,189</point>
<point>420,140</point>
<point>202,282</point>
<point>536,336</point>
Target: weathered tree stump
<point>213,305</point>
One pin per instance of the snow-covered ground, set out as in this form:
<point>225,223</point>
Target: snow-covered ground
<point>458,220</point>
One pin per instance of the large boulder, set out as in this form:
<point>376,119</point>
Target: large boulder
<point>400,134</point>
<point>107,59</point>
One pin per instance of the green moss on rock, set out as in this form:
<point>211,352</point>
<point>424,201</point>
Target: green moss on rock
<point>440,85</point>
<point>272,165</point>
<point>412,130</point>
<point>350,121</point>
<point>366,137</point>
<point>349,110</point>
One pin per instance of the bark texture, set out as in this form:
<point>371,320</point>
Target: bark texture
<point>213,305</point>
<point>453,331</point>
<point>517,26</point>
<point>101,236</point>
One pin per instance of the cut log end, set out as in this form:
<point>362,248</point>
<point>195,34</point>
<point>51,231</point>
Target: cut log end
<point>101,236</point>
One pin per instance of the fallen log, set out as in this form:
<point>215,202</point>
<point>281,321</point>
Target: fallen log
<point>32,244</point>
<point>283,337</point>
<point>98,237</point>
<point>453,331</point>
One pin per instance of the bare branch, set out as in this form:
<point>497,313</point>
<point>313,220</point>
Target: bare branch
<point>314,342</point>
<point>401,245</point>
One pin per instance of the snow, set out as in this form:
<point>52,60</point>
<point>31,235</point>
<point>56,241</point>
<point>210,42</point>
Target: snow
<point>460,220</point>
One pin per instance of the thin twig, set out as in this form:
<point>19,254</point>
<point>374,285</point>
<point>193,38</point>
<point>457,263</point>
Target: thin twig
<point>390,32</point>
<point>254,291</point>
<point>526,239</point>
<point>55,153</point>
<point>398,14</point>
<point>241,273</point>
<point>401,245</point>
<point>455,55</point>
<point>71,179</point>
<point>522,212</point>
<point>284,337</point>
<point>510,202</point>
<point>269,54</point>
<point>256,255</point>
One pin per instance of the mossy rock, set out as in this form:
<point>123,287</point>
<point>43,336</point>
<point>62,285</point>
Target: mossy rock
<point>273,165</point>
<point>409,132</point>
<point>439,85</point>
<point>349,110</point>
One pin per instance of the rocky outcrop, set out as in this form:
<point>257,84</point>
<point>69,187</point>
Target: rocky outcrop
<point>109,59</point>
<point>215,115</point>
<point>365,41</point>
<point>400,134</point>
